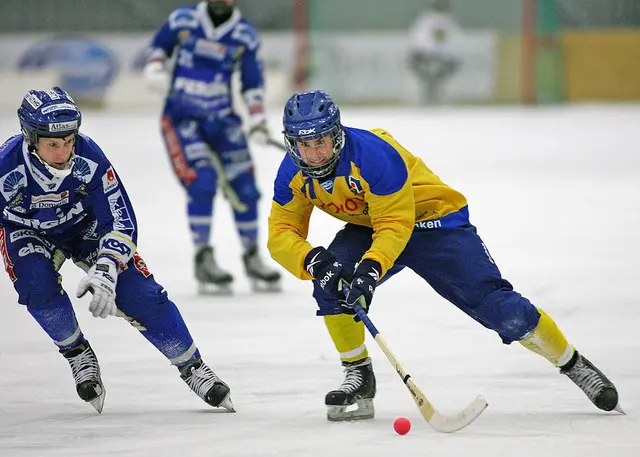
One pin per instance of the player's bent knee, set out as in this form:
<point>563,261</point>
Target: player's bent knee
<point>205,184</point>
<point>147,313</point>
<point>516,326</point>
<point>39,287</point>
<point>143,300</point>
<point>508,313</point>
<point>245,187</point>
<point>202,189</point>
<point>40,295</point>
<point>155,314</point>
<point>49,306</point>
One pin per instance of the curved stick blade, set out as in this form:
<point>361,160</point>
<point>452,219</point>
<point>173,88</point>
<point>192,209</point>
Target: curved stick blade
<point>453,423</point>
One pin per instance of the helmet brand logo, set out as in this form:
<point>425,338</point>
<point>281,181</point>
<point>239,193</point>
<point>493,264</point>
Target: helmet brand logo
<point>33,100</point>
<point>62,126</point>
<point>59,107</point>
<point>307,132</point>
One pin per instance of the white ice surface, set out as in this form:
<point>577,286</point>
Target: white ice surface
<point>556,195</point>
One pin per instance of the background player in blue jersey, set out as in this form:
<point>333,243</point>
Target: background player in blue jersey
<point>208,149</point>
<point>60,198</point>
<point>398,214</point>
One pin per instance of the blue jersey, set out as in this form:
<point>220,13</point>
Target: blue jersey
<point>89,199</point>
<point>205,59</point>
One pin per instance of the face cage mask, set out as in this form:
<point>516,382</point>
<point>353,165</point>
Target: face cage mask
<point>320,171</point>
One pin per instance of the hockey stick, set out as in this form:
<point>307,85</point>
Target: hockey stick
<point>440,422</point>
<point>225,185</point>
<point>276,144</point>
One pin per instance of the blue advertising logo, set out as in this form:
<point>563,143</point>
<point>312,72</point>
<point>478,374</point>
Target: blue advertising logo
<point>87,67</point>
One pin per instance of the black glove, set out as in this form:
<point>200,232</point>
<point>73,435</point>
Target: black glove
<point>362,286</point>
<point>329,273</point>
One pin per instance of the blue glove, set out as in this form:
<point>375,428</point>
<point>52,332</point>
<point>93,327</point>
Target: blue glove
<point>362,286</point>
<point>325,269</point>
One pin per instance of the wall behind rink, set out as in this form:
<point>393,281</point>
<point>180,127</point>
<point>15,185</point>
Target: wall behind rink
<point>373,67</point>
<point>104,70</point>
<point>602,65</point>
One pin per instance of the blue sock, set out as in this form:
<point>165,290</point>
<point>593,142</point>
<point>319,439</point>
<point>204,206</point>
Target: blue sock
<point>59,321</point>
<point>200,211</point>
<point>247,226</point>
<point>200,231</point>
<point>171,337</point>
<point>248,237</point>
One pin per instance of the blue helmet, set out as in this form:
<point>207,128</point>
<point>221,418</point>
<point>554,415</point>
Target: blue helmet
<point>48,113</point>
<point>309,116</point>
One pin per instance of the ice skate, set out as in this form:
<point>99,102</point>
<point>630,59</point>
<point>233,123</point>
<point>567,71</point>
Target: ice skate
<point>353,400</point>
<point>592,382</point>
<point>207,385</point>
<point>263,278</point>
<point>86,373</point>
<point>212,279</point>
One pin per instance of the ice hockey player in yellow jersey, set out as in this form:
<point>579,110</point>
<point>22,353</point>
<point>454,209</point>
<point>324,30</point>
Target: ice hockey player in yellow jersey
<point>398,214</point>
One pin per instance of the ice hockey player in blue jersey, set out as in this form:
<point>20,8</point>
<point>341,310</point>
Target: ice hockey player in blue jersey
<point>193,57</point>
<point>60,198</point>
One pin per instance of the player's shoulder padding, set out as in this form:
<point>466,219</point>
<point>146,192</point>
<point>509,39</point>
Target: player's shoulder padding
<point>380,164</point>
<point>185,17</point>
<point>247,34</point>
<point>282,191</point>
<point>8,145</point>
<point>87,147</point>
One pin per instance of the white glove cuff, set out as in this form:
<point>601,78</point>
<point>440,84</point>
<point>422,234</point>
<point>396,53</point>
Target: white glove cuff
<point>156,77</point>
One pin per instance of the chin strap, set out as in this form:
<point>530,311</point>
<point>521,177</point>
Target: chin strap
<point>54,171</point>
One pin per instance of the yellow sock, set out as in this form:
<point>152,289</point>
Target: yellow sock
<point>347,336</point>
<point>548,341</point>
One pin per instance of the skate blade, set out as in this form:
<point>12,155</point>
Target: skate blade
<point>619,409</point>
<point>227,404</point>
<point>260,286</point>
<point>215,289</point>
<point>361,410</point>
<point>98,402</point>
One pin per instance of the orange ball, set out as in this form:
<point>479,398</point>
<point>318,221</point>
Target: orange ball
<point>402,425</point>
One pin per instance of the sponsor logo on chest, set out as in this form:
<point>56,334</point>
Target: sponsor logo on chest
<point>201,88</point>
<point>49,200</point>
<point>354,185</point>
<point>73,213</point>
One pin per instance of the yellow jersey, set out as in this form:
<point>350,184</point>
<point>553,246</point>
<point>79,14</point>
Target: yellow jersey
<point>377,183</point>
